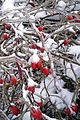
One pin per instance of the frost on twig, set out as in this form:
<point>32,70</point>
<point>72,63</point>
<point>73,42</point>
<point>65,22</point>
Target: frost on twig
<point>3,116</point>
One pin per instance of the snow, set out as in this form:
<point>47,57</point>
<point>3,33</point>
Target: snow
<point>40,14</point>
<point>76,70</point>
<point>44,56</point>
<point>39,44</point>
<point>71,29</point>
<point>48,43</point>
<point>26,116</point>
<point>66,95</point>
<point>31,82</point>
<point>75,50</point>
<point>34,58</point>
<point>25,92</point>
<point>61,5</point>
<point>32,18</point>
<point>8,5</point>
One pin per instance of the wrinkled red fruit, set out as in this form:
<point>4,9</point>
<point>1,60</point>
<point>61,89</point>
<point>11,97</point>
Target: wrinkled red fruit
<point>70,17</point>
<point>7,85</point>
<point>7,26</point>
<point>15,110</point>
<point>4,24</point>
<point>77,20</point>
<point>5,36</point>
<point>13,80</point>
<point>1,81</point>
<point>33,65</point>
<point>35,113</point>
<point>68,111</point>
<point>42,49</point>
<point>40,28</point>
<point>65,42</point>
<point>33,46</point>
<point>45,71</point>
<point>39,104</point>
<point>74,108</point>
<point>31,89</point>
<point>39,64</point>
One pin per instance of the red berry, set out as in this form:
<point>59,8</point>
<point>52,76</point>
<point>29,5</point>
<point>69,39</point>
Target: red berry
<point>33,65</point>
<point>36,113</point>
<point>70,17</point>
<point>1,81</point>
<point>5,36</point>
<point>42,49</point>
<point>65,42</point>
<point>45,71</point>
<point>7,26</point>
<point>15,110</point>
<point>39,104</point>
<point>40,28</point>
<point>77,20</point>
<point>31,89</point>
<point>74,108</point>
<point>13,80</point>
<point>33,46</point>
<point>4,24</point>
<point>39,64</point>
<point>7,85</point>
<point>68,111</point>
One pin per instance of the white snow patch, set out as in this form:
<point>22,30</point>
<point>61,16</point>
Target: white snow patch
<point>8,5</point>
<point>40,14</point>
<point>26,116</point>
<point>75,50</point>
<point>31,82</point>
<point>48,44</point>
<point>34,58</point>
<point>61,5</point>
<point>44,56</point>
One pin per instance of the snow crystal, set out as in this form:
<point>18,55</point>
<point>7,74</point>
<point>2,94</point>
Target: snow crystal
<point>8,5</point>
<point>48,44</point>
<point>34,58</point>
<point>61,5</point>
<point>40,14</point>
<point>31,82</point>
<point>75,50</point>
<point>26,116</point>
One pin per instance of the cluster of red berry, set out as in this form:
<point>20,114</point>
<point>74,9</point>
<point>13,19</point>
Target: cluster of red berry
<point>13,81</point>
<point>76,18</point>
<point>30,88</point>
<point>70,18</point>
<point>39,65</point>
<point>34,46</point>
<point>36,113</point>
<point>74,109</point>
<point>14,110</point>
<point>5,35</point>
